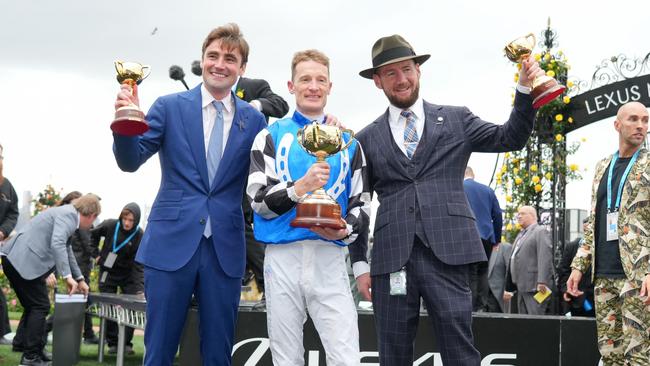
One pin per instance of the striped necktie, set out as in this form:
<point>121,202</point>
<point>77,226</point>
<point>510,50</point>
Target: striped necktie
<point>215,145</point>
<point>411,138</point>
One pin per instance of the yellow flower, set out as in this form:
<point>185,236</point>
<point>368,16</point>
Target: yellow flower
<point>518,226</point>
<point>559,117</point>
<point>573,167</point>
<point>499,175</point>
<point>516,77</point>
<point>499,181</point>
<point>518,66</point>
<point>547,57</point>
<point>535,179</point>
<point>570,120</point>
<point>506,155</point>
<point>558,137</point>
<point>515,161</point>
<point>538,187</point>
<point>566,99</point>
<point>508,198</point>
<point>538,57</point>
<point>509,227</point>
<point>550,73</point>
<point>515,171</point>
<point>240,93</point>
<point>504,169</point>
<point>518,180</point>
<point>548,176</point>
<point>533,168</point>
<point>569,84</point>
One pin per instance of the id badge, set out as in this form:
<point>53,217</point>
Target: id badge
<point>104,276</point>
<point>110,260</point>
<point>398,283</point>
<point>612,226</point>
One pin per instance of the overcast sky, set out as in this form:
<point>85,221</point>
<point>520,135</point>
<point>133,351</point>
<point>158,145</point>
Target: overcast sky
<point>58,82</point>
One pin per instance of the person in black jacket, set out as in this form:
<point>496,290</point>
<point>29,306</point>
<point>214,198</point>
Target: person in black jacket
<point>8,219</point>
<point>117,266</point>
<point>582,305</point>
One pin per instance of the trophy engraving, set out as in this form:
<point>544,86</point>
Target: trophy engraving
<point>544,88</point>
<point>129,120</point>
<point>318,208</point>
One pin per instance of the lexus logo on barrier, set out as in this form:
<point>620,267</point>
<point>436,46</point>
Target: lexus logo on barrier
<point>253,356</point>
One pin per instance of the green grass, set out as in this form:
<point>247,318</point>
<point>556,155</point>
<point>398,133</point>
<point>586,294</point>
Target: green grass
<point>88,355</point>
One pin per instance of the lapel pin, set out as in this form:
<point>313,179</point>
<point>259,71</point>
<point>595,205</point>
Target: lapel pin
<point>439,121</point>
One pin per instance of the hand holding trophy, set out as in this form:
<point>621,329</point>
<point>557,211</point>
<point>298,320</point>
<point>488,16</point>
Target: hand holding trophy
<point>129,120</point>
<point>318,208</point>
<point>544,88</point>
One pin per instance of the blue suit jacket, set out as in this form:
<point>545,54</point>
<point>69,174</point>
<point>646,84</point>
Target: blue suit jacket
<point>433,180</point>
<point>185,199</point>
<point>486,209</point>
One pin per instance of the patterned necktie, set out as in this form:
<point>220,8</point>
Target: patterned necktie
<point>214,154</point>
<point>216,141</point>
<point>411,138</point>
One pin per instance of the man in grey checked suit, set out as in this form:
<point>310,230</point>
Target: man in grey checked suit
<point>31,256</point>
<point>425,229</point>
<point>530,267</point>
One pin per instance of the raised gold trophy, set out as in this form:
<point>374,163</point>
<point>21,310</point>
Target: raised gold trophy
<point>544,88</point>
<point>129,120</point>
<point>318,208</point>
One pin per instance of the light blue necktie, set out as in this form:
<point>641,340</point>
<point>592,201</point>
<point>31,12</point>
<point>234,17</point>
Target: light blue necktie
<point>215,145</point>
<point>411,138</point>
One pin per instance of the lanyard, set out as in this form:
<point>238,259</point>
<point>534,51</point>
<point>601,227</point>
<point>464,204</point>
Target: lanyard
<point>621,183</point>
<point>117,228</point>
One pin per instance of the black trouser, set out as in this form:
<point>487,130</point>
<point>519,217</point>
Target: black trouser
<point>255,258</point>
<point>111,285</point>
<point>5,327</point>
<point>88,318</point>
<point>478,280</point>
<point>33,296</point>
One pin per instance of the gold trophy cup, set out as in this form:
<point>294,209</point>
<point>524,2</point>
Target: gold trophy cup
<point>129,120</point>
<point>318,208</point>
<point>545,88</point>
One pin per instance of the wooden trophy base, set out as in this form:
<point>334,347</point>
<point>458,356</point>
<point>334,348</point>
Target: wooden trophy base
<point>129,121</point>
<point>318,214</point>
<point>546,92</point>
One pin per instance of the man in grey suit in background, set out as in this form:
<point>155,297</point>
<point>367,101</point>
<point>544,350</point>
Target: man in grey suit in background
<point>31,256</point>
<point>497,266</point>
<point>530,267</point>
<point>425,234</point>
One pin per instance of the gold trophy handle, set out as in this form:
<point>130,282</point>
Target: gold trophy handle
<point>528,37</point>
<point>146,70</point>
<point>351,137</point>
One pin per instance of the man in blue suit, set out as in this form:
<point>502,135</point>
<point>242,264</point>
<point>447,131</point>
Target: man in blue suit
<point>425,234</point>
<point>487,212</point>
<point>194,242</point>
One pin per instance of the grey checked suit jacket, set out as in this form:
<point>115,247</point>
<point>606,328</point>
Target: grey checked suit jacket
<point>533,261</point>
<point>451,134</point>
<point>497,267</point>
<point>42,244</point>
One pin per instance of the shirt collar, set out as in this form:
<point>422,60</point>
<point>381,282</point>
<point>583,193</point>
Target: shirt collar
<point>207,98</point>
<point>417,109</point>
<point>303,121</point>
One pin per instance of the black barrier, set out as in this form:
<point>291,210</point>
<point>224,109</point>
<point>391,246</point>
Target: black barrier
<point>516,340</point>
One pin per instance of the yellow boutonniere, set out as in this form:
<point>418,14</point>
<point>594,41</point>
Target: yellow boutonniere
<point>240,93</point>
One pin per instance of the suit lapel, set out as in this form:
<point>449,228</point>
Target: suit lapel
<point>385,137</point>
<point>433,124</point>
<point>192,117</point>
<point>235,137</point>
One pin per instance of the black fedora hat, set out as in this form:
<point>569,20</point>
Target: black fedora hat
<point>391,49</point>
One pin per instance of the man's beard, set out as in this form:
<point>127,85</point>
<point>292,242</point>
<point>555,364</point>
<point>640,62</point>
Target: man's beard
<point>404,103</point>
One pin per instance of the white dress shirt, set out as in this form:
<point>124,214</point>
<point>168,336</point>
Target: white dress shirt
<point>209,113</point>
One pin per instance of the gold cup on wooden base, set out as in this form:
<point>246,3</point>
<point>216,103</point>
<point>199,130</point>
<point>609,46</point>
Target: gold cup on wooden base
<point>318,208</point>
<point>129,120</point>
<point>544,88</point>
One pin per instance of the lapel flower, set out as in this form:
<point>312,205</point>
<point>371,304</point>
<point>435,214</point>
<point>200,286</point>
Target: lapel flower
<point>240,93</point>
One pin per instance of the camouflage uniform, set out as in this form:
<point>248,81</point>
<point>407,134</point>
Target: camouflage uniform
<point>623,320</point>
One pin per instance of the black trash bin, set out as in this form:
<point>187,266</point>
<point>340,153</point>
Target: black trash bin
<point>66,333</point>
